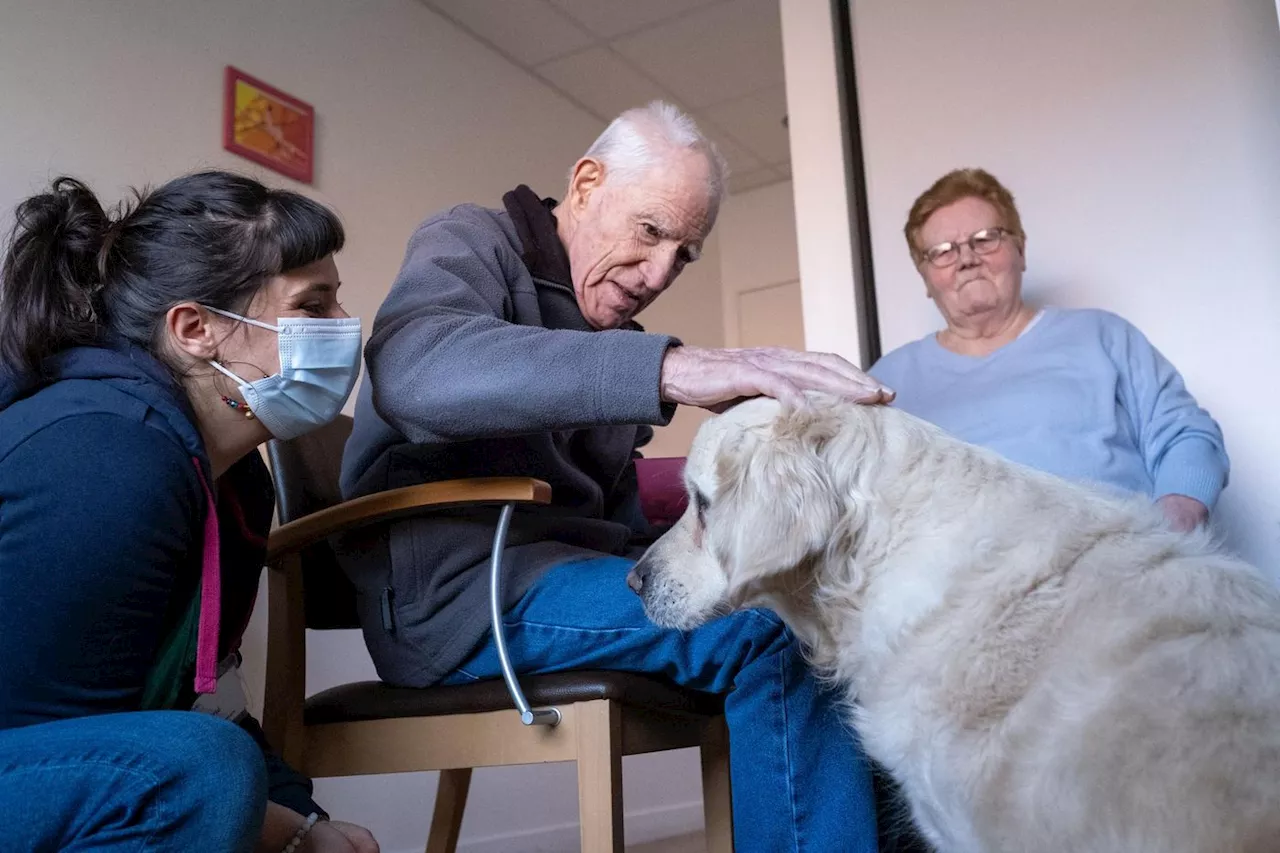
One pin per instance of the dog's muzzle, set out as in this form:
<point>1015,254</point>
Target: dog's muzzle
<point>636,577</point>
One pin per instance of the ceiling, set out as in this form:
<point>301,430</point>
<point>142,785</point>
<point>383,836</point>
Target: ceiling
<point>719,61</point>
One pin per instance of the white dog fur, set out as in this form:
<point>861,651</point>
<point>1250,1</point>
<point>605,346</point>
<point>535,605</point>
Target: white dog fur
<point>1043,667</point>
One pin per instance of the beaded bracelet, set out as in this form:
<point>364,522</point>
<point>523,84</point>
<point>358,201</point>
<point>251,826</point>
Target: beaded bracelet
<point>293,845</point>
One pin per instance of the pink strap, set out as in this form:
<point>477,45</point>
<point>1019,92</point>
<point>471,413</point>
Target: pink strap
<point>210,596</point>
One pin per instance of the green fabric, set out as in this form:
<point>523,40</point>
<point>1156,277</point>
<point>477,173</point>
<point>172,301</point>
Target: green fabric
<point>168,684</point>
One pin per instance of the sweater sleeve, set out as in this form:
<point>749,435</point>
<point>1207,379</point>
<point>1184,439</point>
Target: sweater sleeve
<point>1181,443</point>
<point>446,362</point>
<point>285,786</point>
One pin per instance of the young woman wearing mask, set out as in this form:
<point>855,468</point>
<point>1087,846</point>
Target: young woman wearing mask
<point>143,358</point>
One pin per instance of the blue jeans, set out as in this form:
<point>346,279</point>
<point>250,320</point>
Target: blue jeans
<point>164,780</point>
<point>800,781</point>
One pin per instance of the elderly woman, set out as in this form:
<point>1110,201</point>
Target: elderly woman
<point>1081,394</point>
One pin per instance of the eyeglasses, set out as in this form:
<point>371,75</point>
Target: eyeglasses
<point>982,242</point>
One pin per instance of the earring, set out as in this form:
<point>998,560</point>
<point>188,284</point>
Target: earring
<point>237,405</point>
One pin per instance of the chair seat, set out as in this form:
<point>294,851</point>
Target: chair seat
<point>376,700</point>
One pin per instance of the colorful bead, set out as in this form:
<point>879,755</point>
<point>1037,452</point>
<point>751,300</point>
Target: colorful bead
<point>237,405</point>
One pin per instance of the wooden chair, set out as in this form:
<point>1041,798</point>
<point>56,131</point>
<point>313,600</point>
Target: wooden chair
<point>593,718</point>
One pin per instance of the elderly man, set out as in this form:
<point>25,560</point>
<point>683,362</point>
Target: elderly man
<point>507,347</point>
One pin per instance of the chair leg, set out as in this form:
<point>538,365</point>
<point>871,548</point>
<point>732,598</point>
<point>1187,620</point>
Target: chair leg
<point>717,804</point>
<point>451,801</point>
<point>599,729</point>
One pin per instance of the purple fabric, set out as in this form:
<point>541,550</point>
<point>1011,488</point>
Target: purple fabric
<point>662,494</point>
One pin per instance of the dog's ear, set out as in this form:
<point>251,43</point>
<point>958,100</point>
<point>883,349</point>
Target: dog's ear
<point>776,503</point>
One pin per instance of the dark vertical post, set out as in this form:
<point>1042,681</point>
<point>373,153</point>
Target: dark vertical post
<point>869,320</point>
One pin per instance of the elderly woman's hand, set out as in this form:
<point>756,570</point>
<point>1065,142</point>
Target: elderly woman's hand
<point>1183,513</point>
<point>716,378</point>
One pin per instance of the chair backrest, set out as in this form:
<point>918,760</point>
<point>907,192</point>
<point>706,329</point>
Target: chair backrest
<point>306,472</point>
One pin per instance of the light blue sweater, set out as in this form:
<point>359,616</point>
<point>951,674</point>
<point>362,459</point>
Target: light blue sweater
<point>1081,394</point>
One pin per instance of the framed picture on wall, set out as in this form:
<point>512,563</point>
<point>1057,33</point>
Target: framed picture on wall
<point>265,125</point>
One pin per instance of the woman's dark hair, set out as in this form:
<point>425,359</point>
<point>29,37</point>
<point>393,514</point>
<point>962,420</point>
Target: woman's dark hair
<point>73,271</point>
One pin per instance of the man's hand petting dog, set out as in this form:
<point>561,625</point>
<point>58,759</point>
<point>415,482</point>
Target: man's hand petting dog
<point>716,379</point>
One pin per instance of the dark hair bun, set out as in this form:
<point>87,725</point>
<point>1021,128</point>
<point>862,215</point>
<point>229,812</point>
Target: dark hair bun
<point>51,268</point>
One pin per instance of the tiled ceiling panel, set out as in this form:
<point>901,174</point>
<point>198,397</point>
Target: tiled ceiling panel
<point>527,31</point>
<point>758,118</point>
<point>740,158</point>
<point>713,55</point>
<point>612,18</point>
<point>739,183</point>
<point>719,59</point>
<point>602,81</point>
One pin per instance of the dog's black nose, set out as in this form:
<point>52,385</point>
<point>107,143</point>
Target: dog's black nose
<point>635,577</point>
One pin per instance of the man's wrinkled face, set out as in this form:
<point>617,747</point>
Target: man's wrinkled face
<point>634,236</point>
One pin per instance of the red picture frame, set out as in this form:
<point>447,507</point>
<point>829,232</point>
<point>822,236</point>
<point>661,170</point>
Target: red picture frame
<point>269,127</point>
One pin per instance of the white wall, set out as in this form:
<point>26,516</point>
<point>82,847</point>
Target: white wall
<point>690,311</point>
<point>1142,140</point>
<point>758,248</point>
<point>828,258</point>
<point>412,116</point>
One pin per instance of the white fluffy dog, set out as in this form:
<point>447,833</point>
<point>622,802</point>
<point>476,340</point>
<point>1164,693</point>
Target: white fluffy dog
<point>1041,666</point>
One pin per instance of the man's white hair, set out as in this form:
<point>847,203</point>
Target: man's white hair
<point>640,138</point>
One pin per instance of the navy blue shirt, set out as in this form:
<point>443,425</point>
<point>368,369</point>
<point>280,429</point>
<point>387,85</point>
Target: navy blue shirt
<point>101,533</point>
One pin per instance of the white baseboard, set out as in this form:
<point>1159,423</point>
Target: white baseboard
<point>642,827</point>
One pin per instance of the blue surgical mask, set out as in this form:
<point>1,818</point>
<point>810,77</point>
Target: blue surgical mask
<point>319,365</point>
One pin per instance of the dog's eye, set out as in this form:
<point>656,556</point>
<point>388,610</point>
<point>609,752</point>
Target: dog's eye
<point>701,503</point>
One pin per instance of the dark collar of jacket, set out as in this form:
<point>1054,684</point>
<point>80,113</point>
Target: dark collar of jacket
<point>536,225</point>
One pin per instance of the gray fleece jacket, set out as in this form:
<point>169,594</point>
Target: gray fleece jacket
<point>477,368</point>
